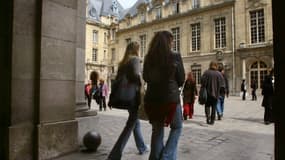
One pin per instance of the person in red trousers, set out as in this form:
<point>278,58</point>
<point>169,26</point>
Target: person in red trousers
<point>189,94</point>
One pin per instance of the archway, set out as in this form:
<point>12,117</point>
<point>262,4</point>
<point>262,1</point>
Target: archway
<point>258,70</point>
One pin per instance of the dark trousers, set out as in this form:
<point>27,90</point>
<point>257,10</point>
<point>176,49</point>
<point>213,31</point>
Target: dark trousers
<point>102,103</point>
<point>89,101</point>
<point>268,115</point>
<point>243,94</point>
<point>210,109</point>
<point>254,95</point>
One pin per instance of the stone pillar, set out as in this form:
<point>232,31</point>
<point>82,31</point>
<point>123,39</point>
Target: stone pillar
<point>80,55</point>
<point>243,69</point>
<point>46,66</point>
<point>57,129</point>
<point>21,129</point>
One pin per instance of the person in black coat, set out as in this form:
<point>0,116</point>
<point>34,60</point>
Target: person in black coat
<point>253,90</point>
<point>213,81</point>
<point>243,89</point>
<point>268,93</point>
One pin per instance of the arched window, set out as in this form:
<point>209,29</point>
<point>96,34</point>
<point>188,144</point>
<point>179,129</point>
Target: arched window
<point>258,71</point>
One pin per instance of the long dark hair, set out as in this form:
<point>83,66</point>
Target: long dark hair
<point>132,49</point>
<point>159,51</point>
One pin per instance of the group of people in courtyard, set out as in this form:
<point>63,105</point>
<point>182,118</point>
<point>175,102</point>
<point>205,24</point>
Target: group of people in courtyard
<point>164,74</point>
<point>267,91</point>
<point>97,91</point>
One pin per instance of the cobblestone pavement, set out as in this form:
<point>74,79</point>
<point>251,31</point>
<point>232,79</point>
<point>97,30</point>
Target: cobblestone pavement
<point>240,135</point>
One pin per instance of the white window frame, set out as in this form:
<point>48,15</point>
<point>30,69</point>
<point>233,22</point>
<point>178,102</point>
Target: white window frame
<point>142,45</point>
<point>176,39</point>
<point>95,36</point>
<point>257,26</point>
<point>94,54</point>
<point>195,3</point>
<point>220,32</point>
<point>195,37</point>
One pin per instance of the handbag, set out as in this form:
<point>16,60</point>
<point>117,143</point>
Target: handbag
<point>203,95</point>
<point>123,93</point>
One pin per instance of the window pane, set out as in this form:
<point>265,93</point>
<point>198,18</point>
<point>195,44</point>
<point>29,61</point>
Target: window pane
<point>176,39</point>
<point>94,54</point>
<point>257,26</point>
<point>142,45</point>
<point>196,71</point>
<point>195,36</point>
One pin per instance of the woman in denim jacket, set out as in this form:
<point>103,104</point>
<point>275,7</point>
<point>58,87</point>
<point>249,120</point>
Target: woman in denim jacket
<point>131,67</point>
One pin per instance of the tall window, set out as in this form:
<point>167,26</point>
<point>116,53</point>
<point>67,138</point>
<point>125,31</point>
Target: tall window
<point>158,12</point>
<point>113,34</point>
<point>143,44</point>
<point>176,39</point>
<point>257,26</point>
<point>128,22</point>
<point>258,72</point>
<point>104,58</point>
<point>196,71</point>
<point>113,56</point>
<point>94,54</point>
<point>195,3</point>
<point>220,32</point>
<point>105,37</point>
<point>95,36</point>
<point>143,19</point>
<point>176,7</point>
<point>128,40</point>
<point>196,36</point>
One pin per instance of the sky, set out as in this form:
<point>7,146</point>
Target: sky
<point>127,3</point>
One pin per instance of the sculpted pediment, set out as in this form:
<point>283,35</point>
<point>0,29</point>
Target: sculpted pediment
<point>253,4</point>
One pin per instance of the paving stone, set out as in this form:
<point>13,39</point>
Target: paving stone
<point>240,135</point>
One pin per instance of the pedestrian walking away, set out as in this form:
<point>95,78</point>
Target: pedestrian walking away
<point>131,67</point>
<point>253,87</point>
<point>224,92</point>
<point>189,94</point>
<point>267,101</point>
<point>164,75</point>
<point>87,91</point>
<point>103,94</point>
<point>213,81</point>
<point>94,77</point>
<point>243,89</point>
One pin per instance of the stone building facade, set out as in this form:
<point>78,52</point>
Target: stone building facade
<point>42,50</point>
<point>101,26</point>
<point>238,34</point>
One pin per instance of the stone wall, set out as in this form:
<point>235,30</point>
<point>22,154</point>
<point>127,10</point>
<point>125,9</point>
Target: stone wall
<point>47,78</point>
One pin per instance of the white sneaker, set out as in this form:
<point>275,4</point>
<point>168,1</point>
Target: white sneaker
<point>147,149</point>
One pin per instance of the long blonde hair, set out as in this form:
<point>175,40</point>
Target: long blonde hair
<point>132,49</point>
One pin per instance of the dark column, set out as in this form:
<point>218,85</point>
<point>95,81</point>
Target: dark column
<point>278,103</point>
<point>6,10</point>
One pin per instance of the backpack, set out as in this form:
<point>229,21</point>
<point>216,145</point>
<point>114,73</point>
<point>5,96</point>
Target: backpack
<point>95,92</point>
<point>203,95</point>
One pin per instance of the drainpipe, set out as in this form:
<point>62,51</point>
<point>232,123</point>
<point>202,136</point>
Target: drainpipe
<point>233,53</point>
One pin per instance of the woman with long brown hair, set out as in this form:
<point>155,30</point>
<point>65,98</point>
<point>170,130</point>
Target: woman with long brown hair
<point>131,67</point>
<point>164,74</point>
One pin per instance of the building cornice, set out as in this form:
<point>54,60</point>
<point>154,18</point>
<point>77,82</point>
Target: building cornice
<point>177,16</point>
<point>255,47</point>
<point>98,24</point>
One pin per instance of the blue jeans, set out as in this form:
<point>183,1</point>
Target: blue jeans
<point>133,124</point>
<point>220,105</point>
<point>159,151</point>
